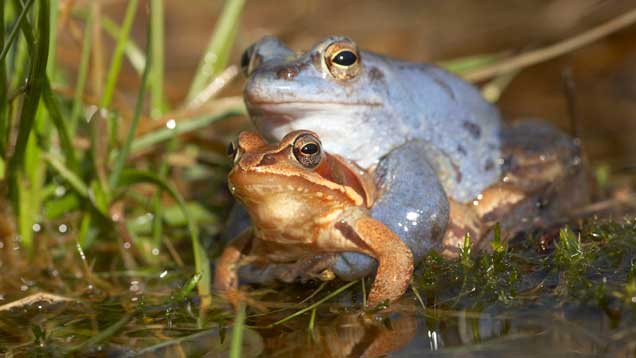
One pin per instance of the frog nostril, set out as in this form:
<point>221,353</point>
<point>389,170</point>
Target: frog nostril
<point>287,73</point>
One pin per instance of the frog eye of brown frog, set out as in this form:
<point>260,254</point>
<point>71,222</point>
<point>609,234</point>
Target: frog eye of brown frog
<point>307,150</point>
<point>343,60</point>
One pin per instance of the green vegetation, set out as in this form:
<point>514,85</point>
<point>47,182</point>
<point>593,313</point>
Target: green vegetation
<point>92,190</point>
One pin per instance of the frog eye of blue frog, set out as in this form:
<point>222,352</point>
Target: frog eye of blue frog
<point>306,149</point>
<point>343,60</point>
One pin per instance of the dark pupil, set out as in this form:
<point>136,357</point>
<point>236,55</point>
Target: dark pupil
<point>345,58</point>
<point>309,149</point>
<point>230,149</point>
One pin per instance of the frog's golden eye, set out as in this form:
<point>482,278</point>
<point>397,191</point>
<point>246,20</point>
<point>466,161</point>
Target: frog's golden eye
<point>343,60</point>
<point>307,150</point>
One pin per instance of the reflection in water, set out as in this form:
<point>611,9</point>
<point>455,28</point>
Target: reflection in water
<point>452,333</point>
<point>349,335</point>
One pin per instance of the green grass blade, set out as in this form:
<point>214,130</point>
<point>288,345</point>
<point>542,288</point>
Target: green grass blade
<point>73,180</point>
<point>163,134</point>
<point>188,287</point>
<point>157,227</point>
<point>237,332</point>
<point>16,28</point>
<point>25,170</point>
<point>133,52</point>
<point>156,80</point>
<point>85,57</point>
<point>218,51</point>
<point>46,92</point>
<point>51,65</point>
<point>37,81</point>
<point>103,335</point>
<point>157,103</point>
<point>24,222</point>
<point>202,265</point>
<point>53,108</point>
<point>316,304</point>
<point>76,183</point>
<point>4,104</point>
<point>32,188</point>
<point>116,61</point>
<point>134,123</point>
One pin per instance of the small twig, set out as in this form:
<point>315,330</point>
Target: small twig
<point>569,89</point>
<point>123,236</point>
<point>418,296</point>
<point>493,90</point>
<point>550,52</point>
<point>39,297</point>
<point>173,252</point>
<point>600,206</point>
<point>214,87</point>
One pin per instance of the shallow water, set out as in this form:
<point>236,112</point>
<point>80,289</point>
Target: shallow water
<point>536,296</point>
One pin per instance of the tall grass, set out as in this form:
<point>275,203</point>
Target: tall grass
<point>41,128</point>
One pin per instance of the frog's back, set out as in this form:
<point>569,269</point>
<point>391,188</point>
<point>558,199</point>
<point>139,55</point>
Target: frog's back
<point>460,128</point>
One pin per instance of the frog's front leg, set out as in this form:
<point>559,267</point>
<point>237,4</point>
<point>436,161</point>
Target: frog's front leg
<point>412,203</point>
<point>226,272</point>
<point>395,260</point>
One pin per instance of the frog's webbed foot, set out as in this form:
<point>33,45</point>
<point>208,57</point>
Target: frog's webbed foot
<point>411,203</point>
<point>226,273</point>
<point>395,260</point>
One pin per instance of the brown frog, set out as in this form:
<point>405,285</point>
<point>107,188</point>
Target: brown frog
<point>304,202</point>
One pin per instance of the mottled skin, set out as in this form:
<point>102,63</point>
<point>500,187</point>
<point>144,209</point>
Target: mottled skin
<point>438,151</point>
<point>303,202</point>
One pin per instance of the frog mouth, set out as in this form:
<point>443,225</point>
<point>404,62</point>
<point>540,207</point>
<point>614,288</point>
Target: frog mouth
<point>277,114</point>
<point>265,103</point>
